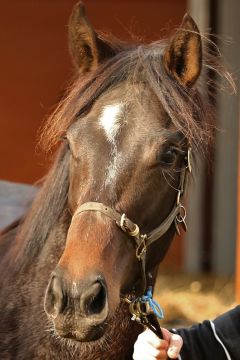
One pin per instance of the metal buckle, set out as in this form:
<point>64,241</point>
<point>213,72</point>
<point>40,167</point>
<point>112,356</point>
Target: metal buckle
<point>139,309</point>
<point>133,233</point>
<point>122,222</point>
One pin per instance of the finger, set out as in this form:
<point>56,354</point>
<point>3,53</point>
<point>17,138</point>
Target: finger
<point>155,353</point>
<point>142,354</point>
<point>147,352</point>
<point>152,339</point>
<point>166,334</point>
<point>175,346</point>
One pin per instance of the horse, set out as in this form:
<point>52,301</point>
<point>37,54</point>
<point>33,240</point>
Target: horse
<point>111,203</point>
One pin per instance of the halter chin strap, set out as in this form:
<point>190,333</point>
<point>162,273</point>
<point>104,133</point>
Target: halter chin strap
<point>143,241</point>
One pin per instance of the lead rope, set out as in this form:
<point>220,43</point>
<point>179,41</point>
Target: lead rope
<point>146,311</point>
<point>156,308</point>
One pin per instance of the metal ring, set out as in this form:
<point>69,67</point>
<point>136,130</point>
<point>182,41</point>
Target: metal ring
<point>181,217</point>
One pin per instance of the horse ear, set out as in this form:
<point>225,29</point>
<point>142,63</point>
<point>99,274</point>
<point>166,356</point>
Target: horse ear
<point>86,48</point>
<point>183,56</point>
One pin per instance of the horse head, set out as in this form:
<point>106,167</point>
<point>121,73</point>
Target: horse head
<point>127,150</point>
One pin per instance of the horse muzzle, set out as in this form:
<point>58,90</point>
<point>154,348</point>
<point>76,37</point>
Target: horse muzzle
<point>78,311</point>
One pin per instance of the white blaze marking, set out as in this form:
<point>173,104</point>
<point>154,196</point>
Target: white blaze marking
<point>113,167</point>
<point>110,122</point>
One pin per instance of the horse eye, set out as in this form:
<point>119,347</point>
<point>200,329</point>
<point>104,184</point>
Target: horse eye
<point>168,157</point>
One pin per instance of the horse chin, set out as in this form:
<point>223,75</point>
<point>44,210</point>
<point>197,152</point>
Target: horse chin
<point>81,329</point>
<point>82,334</point>
<point>107,332</point>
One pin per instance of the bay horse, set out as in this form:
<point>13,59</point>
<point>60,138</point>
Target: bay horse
<point>126,127</point>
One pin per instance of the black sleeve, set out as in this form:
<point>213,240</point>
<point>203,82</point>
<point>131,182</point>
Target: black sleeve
<point>207,340</point>
<point>228,329</point>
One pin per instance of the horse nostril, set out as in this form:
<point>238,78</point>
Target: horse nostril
<point>54,300</point>
<point>97,302</point>
<point>95,298</point>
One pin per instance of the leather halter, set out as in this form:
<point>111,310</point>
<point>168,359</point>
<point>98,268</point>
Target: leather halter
<point>143,241</point>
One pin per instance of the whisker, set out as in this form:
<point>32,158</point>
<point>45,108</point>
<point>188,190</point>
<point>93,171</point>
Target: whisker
<point>173,187</point>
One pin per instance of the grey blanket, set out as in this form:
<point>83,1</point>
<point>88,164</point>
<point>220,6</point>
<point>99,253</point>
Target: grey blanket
<point>14,201</point>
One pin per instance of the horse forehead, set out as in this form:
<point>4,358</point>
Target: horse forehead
<point>110,120</point>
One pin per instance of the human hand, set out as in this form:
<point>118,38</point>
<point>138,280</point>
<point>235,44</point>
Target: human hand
<point>149,347</point>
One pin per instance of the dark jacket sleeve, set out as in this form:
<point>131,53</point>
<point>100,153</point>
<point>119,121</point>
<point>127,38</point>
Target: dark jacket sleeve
<point>218,339</point>
<point>228,329</point>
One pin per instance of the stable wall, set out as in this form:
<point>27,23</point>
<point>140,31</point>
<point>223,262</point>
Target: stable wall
<point>35,65</point>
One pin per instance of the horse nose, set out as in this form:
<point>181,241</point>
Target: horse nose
<point>90,298</point>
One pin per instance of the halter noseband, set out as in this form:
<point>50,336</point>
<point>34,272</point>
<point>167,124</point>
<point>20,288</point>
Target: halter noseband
<point>177,217</point>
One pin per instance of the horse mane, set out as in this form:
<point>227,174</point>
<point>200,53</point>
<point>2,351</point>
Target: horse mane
<point>189,112</point>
